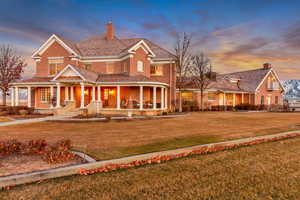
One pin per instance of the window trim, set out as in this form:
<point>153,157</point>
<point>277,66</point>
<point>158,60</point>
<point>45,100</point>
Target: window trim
<point>45,97</point>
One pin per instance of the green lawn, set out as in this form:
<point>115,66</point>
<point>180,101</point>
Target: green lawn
<point>265,171</point>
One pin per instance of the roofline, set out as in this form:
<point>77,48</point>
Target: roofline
<point>130,50</point>
<point>47,44</point>
<point>270,71</point>
<point>65,69</point>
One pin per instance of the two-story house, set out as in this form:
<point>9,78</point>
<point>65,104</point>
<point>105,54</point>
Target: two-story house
<point>102,73</point>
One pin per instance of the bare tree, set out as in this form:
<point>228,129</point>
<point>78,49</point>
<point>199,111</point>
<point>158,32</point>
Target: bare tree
<point>201,74</point>
<point>11,68</point>
<point>182,60</point>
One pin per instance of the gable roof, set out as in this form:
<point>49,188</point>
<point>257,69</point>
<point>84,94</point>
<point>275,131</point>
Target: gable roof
<point>99,46</point>
<point>248,81</point>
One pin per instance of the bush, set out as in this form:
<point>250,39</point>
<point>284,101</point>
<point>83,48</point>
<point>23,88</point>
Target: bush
<point>60,152</point>
<point>15,110</point>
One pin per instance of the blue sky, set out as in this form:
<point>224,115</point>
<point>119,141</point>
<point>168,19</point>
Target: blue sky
<point>236,35</point>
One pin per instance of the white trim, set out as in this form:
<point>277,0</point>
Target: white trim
<point>137,45</point>
<point>65,69</point>
<point>153,62</point>
<point>274,73</point>
<point>49,42</point>
<point>102,59</point>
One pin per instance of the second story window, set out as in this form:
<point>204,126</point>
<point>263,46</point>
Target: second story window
<point>55,65</point>
<point>87,66</point>
<point>140,66</point>
<point>125,67</point>
<point>110,68</point>
<point>156,70</point>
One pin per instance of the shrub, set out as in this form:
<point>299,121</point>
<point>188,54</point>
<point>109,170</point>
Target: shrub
<point>23,112</point>
<point>60,152</point>
<point>15,110</point>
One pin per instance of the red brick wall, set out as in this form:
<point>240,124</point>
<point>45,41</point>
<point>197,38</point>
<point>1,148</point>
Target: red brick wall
<point>140,55</point>
<point>55,50</point>
<point>263,91</point>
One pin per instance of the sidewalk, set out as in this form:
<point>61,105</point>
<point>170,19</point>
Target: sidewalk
<point>26,121</point>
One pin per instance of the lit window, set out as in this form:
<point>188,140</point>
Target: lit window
<point>110,67</point>
<point>140,66</point>
<point>212,96</point>
<point>188,96</point>
<point>55,65</point>
<point>45,94</point>
<point>156,70</point>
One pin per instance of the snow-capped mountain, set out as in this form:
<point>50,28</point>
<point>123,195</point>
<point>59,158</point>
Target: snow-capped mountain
<point>292,89</point>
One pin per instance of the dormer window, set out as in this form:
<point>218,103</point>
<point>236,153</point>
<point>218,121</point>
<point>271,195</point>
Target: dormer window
<point>140,66</point>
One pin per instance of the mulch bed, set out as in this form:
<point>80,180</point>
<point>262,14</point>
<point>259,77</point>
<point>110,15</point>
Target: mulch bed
<point>18,164</point>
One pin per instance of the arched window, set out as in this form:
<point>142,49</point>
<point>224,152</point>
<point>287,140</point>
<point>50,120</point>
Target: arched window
<point>140,66</point>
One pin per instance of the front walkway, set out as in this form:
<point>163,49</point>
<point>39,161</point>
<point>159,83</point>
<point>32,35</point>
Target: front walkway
<point>26,121</point>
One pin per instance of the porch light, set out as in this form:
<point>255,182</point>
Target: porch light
<point>86,92</point>
<point>111,92</point>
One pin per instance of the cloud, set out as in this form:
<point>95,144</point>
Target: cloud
<point>292,36</point>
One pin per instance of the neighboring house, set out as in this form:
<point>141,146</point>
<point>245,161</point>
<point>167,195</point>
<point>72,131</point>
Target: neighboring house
<point>102,73</point>
<point>258,86</point>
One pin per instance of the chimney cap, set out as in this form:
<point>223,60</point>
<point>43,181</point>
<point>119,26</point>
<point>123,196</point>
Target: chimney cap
<point>267,65</point>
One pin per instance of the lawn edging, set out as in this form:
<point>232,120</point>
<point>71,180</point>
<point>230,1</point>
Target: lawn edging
<point>138,160</point>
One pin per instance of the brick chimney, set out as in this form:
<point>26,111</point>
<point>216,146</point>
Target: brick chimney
<point>109,31</point>
<point>267,66</point>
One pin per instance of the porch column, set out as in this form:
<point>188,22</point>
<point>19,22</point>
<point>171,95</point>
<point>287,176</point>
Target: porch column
<point>166,98</point>
<point>225,102</point>
<point>67,94</point>
<point>51,95</point>
<point>72,93</point>
<point>99,93</point>
<point>141,97</point>
<point>118,98</point>
<point>249,98</point>
<point>29,97</point>
<point>17,96</point>
<point>154,97</point>
<point>234,95</point>
<point>242,98</point>
<point>57,95</point>
<point>93,94</point>
<point>162,98</point>
<point>82,96</point>
<point>12,96</point>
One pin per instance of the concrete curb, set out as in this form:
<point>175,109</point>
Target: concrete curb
<point>84,156</point>
<point>74,169</point>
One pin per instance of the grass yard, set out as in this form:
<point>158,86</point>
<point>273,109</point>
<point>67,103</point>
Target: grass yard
<point>265,171</point>
<point>105,140</point>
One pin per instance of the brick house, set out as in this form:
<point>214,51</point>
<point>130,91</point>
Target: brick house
<point>102,73</point>
<point>257,87</point>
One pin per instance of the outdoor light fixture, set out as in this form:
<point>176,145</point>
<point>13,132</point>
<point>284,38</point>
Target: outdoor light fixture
<point>112,92</point>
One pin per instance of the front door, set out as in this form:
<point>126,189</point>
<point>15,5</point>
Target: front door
<point>269,100</point>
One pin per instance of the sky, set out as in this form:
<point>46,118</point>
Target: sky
<point>235,34</point>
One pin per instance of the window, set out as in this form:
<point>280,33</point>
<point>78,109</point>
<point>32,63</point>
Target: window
<point>156,70</point>
<point>45,95</point>
<point>212,96</point>
<point>55,65</point>
<point>276,100</point>
<point>87,66</point>
<point>187,96</point>
<point>125,68</point>
<point>110,67</point>
<point>140,66</point>
<point>262,100</point>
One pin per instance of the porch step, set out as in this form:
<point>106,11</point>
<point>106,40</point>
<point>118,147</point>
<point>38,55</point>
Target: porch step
<point>72,113</point>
